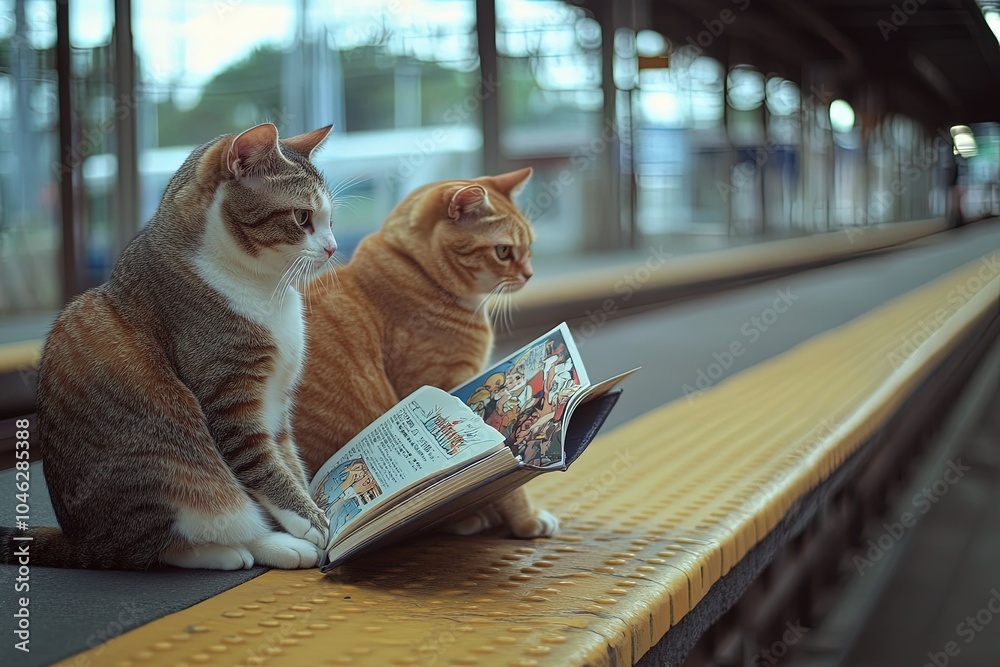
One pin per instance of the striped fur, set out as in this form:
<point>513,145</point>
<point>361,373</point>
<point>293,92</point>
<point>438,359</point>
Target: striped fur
<point>407,311</point>
<point>164,395</point>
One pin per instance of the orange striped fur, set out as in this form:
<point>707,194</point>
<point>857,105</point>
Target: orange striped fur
<point>409,310</point>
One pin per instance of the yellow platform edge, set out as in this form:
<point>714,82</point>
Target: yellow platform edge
<point>655,513</point>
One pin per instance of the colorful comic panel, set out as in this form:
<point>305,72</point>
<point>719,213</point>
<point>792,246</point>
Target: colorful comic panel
<point>525,396</point>
<point>344,491</point>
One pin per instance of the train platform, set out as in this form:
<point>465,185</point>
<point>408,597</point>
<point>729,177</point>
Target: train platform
<point>745,446</point>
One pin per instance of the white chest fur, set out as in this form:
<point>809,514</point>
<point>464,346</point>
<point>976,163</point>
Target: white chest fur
<point>288,330</point>
<point>224,267</point>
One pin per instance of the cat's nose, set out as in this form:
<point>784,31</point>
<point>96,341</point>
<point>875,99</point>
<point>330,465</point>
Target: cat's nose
<point>526,274</point>
<point>329,249</point>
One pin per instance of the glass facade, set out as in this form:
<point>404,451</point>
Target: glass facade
<point>30,167</point>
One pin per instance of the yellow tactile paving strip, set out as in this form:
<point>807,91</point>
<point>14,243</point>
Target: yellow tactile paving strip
<point>23,356</point>
<point>653,515</point>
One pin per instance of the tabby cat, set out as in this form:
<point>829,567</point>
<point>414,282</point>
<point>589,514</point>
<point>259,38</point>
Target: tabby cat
<point>408,311</point>
<point>164,395</point>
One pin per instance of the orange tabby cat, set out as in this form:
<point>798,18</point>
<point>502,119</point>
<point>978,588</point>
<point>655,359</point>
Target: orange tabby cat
<point>164,395</point>
<point>408,312</point>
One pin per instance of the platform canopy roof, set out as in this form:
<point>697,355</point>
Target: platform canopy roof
<point>936,61</point>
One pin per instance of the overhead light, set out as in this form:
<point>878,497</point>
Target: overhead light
<point>841,116</point>
<point>965,142</point>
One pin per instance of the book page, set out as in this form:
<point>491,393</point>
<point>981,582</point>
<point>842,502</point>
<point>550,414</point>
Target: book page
<point>525,396</point>
<point>425,435</point>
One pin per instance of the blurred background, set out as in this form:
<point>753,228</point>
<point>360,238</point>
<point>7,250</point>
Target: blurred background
<point>644,126</point>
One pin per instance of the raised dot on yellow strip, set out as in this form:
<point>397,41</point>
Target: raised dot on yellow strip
<point>484,649</point>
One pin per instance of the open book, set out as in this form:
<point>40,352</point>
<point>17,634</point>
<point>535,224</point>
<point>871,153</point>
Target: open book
<point>436,456</point>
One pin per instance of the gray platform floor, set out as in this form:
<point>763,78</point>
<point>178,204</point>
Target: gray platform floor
<point>72,610</point>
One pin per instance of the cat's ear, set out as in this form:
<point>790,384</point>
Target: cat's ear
<point>251,150</point>
<point>466,200</point>
<point>308,142</point>
<point>509,184</point>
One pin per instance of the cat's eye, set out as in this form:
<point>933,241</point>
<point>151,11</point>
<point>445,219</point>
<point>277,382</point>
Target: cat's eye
<point>503,251</point>
<point>304,218</point>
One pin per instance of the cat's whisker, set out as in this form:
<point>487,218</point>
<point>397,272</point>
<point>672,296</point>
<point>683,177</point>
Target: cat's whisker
<point>491,312</point>
<point>508,318</point>
<point>308,291</point>
<point>496,305</point>
<point>347,182</point>
<point>344,184</point>
<point>293,278</point>
<point>492,293</point>
<point>278,289</point>
<point>336,278</point>
<point>340,203</point>
<point>297,278</point>
<point>345,197</point>
<point>349,199</point>
<point>303,281</point>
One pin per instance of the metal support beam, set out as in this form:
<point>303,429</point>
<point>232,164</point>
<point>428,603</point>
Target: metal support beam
<point>127,221</point>
<point>618,230</point>
<point>486,32</point>
<point>72,235</point>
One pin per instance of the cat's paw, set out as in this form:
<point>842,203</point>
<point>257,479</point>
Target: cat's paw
<point>284,551</point>
<point>211,557</point>
<point>470,525</point>
<point>314,528</point>
<point>475,523</point>
<point>541,524</point>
